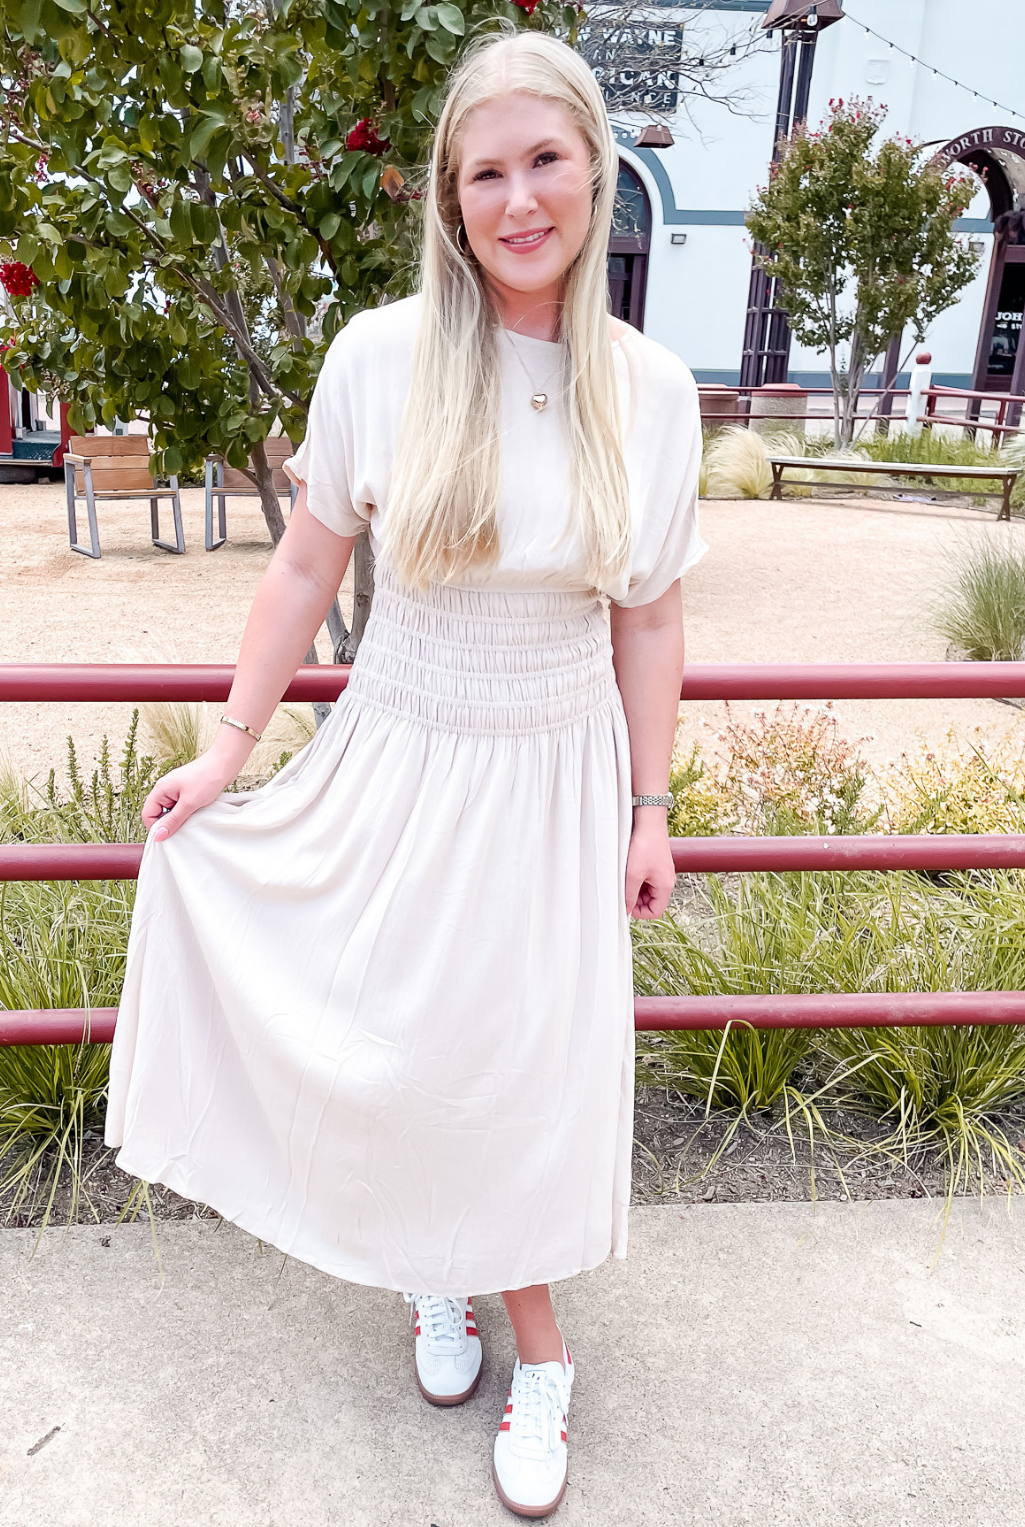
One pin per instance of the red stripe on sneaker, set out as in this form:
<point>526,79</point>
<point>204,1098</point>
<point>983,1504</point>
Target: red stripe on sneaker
<point>563,1435</point>
<point>504,1426</point>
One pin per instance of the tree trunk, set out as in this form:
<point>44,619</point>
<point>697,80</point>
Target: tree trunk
<point>855,377</point>
<point>269,501</point>
<point>363,577</point>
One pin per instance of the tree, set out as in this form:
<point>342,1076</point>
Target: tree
<point>205,190</point>
<point>861,239</point>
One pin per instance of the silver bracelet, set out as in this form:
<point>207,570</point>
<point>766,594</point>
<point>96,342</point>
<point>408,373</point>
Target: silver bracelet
<point>227,721</point>
<point>652,800</point>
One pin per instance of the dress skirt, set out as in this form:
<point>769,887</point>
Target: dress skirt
<point>378,1012</point>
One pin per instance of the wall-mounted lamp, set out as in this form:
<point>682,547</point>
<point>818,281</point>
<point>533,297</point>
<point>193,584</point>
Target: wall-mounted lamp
<point>677,238</point>
<point>654,136</point>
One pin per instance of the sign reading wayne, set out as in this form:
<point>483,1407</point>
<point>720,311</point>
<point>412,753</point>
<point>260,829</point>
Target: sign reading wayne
<point>635,65</point>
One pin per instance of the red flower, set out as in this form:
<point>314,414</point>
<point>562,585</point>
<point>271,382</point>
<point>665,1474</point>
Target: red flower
<point>8,343</point>
<point>526,5</point>
<point>363,136</point>
<point>18,279</point>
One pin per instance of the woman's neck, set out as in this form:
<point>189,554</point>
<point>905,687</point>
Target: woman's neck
<point>536,314</point>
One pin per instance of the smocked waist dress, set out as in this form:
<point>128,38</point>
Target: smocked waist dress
<point>378,1012</point>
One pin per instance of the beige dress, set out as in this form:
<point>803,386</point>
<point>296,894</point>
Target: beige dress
<point>379,1011</point>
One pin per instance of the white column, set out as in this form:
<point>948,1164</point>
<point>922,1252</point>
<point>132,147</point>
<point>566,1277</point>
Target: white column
<point>921,381</point>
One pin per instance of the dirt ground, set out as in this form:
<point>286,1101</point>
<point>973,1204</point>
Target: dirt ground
<point>802,581</point>
<point>834,581</point>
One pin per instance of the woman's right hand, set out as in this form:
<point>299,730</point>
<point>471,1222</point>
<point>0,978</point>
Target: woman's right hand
<point>174,798</point>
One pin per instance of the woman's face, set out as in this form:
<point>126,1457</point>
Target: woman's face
<point>525,195</point>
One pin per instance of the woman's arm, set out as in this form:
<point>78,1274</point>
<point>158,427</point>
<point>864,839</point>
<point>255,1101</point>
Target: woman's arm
<point>647,652</point>
<point>291,602</point>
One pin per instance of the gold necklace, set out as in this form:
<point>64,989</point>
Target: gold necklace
<point>538,399</point>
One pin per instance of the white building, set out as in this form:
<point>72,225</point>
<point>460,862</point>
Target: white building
<point>938,66</point>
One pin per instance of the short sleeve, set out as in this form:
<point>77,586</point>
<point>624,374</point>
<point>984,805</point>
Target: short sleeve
<point>325,460</point>
<point>664,464</point>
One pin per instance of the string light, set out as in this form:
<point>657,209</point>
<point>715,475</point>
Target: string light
<point>936,73</point>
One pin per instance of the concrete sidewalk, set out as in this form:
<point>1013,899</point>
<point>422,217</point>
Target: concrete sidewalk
<point>757,1363</point>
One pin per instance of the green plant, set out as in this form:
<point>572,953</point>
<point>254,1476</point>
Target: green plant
<point>981,612</point>
<point>861,238</point>
<point>935,1088</point>
<point>699,809</point>
<point>62,944</point>
<point>958,789</point>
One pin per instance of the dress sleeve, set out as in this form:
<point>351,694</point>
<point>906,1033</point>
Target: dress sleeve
<point>325,461</point>
<point>667,541</point>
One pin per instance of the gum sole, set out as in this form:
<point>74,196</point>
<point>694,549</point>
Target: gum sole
<point>447,1399</point>
<point>531,1511</point>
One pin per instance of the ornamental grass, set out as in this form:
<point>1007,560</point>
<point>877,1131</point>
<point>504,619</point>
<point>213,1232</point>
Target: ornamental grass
<point>981,610</point>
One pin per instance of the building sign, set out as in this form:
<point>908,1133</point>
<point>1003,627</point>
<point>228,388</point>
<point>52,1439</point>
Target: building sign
<point>1005,335</point>
<point>1010,138</point>
<point>637,66</point>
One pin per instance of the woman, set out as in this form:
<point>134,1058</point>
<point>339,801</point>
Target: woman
<point>379,1011</point>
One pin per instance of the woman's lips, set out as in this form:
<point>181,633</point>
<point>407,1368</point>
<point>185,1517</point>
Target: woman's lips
<point>525,243</point>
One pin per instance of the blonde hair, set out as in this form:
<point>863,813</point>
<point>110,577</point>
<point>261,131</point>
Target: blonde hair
<point>442,509</point>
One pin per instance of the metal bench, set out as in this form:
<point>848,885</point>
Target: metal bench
<point>1007,476</point>
<point>115,466</point>
<point>223,482</point>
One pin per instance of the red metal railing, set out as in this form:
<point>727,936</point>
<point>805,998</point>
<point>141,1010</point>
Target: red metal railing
<point>1004,421</point>
<point>899,681</point>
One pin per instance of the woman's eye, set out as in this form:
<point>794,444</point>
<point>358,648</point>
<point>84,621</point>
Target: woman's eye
<point>548,157</point>
<point>483,174</point>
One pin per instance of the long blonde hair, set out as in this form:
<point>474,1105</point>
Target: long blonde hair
<point>442,508</point>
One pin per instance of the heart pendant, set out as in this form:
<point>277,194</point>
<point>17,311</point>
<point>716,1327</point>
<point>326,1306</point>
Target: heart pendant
<point>539,400</point>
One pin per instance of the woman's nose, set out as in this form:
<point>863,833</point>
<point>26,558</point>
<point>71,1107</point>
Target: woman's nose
<point>521,197</point>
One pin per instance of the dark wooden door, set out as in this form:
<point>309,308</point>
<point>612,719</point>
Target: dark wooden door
<point>628,248</point>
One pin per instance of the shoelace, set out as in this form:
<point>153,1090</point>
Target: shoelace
<point>537,1413</point>
<point>441,1321</point>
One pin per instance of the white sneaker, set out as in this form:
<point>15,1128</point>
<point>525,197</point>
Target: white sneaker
<point>530,1449</point>
<point>448,1349</point>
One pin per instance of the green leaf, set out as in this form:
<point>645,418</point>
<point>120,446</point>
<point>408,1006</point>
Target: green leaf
<point>329,226</point>
<point>181,222</point>
<point>191,58</point>
<point>451,18</point>
<point>205,224</point>
<point>208,124</point>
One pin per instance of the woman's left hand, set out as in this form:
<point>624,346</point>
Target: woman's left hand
<point>650,875</point>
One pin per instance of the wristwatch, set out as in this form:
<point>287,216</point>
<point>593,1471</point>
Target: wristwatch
<point>652,800</point>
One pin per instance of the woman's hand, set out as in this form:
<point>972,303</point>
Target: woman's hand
<point>650,875</point>
<point>174,798</point>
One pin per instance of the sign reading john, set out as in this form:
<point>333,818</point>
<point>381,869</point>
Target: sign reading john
<point>636,65</point>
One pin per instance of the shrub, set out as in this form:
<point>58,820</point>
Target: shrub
<point>958,789</point>
<point>788,772</point>
<point>981,612</point>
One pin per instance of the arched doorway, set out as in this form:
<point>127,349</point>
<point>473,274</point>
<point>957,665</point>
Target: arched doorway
<point>997,155</point>
<point>628,248</point>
